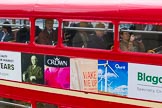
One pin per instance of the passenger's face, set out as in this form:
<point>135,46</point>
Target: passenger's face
<point>33,60</point>
<point>125,36</point>
<point>49,25</point>
<point>99,33</point>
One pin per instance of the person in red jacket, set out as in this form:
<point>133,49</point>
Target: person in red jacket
<point>48,36</point>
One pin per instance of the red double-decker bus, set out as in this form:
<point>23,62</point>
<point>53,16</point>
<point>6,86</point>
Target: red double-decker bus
<point>80,54</point>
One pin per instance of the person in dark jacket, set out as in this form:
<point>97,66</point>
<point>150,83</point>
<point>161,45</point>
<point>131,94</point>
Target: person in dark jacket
<point>6,33</point>
<point>81,37</point>
<point>23,34</point>
<point>98,40</point>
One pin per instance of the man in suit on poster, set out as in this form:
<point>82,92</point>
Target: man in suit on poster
<point>34,73</point>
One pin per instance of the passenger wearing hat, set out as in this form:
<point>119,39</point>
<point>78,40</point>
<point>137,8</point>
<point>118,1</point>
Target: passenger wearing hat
<point>99,39</point>
<point>6,33</point>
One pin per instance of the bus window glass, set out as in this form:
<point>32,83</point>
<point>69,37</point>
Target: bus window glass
<point>46,31</point>
<point>141,38</point>
<point>11,103</point>
<point>14,30</point>
<point>46,105</point>
<point>94,35</point>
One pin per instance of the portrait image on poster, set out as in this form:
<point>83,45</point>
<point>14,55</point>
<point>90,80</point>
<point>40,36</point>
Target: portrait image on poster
<point>32,68</point>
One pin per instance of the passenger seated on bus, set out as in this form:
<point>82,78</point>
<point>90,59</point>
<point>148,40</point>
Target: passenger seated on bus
<point>110,36</point>
<point>150,40</point>
<point>131,42</point>
<point>48,36</point>
<point>37,31</point>
<point>157,50</point>
<point>159,28</point>
<point>67,34</point>
<point>99,39</point>
<point>6,33</point>
<point>70,33</point>
<point>23,34</point>
<point>90,31</point>
<point>81,37</point>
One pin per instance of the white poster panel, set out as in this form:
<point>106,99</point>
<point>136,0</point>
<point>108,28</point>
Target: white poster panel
<point>145,81</point>
<point>10,65</point>
<point>83,74</point>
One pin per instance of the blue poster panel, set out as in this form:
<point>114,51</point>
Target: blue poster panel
<point>113,77</point>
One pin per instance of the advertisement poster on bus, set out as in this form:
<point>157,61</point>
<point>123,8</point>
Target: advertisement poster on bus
<point>32,68</point>
<point>57,72</point>
<point>113,77</point>
<point>10,65</point>
<point>145,82</point>
<point>83,74</point>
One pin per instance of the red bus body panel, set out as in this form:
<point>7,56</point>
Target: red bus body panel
<point>106,10</point>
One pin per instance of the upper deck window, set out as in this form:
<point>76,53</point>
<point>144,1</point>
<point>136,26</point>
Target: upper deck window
<point>141,38</point>
<point>94,35</point>
<point>14,30</point>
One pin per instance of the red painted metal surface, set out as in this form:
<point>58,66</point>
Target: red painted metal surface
<point>115,11</point>
<point>57,99</point>
<point>122,9</point>
<point>107,8</point>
